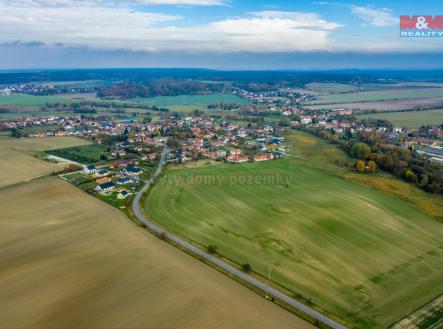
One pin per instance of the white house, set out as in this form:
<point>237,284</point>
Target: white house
<point>106,187</point>
<point>90,169</point>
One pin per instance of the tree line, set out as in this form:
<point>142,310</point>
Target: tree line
<point>373,151</point>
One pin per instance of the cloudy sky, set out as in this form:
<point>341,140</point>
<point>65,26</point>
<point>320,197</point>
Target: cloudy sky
<point>212,33</point>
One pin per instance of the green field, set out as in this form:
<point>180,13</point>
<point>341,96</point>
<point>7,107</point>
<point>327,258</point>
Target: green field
<point>186,108</point>
<point>28,100</point>
<point>84,154</point>
<point>372,96</point>
<point>333,88</point>
<point>357,252</point>
<point>19,114</point>
<point>405,85</point>
<point>190,100</point>
<point>410,118</point>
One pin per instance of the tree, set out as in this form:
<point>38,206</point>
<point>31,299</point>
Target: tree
<point>360,166</point>
<point>173,142</point>
<point>72,167</point>
<point>411,176</point>
<point>212,249</point>
<point>246,268</point>
<point>372,166</point>
<point>360,151</point>
<point>16,133</point>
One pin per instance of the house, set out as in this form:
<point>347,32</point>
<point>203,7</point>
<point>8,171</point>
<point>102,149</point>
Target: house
<point>90,169</point>
<point>152,156</point>
<point>100,173</point>
<point>235,152</point>
<point>209,155</point>
<point>106,187</point>
<point>123,194</point>
<point>103,180</point>
<point>125,180</point>
<point>237,159</point>
<point>306,120</point>
<point>133,171</point>
<point>221,154</point>
<point>263,157</point>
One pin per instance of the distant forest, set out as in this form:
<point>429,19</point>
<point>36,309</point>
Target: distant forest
<point>297,78</point>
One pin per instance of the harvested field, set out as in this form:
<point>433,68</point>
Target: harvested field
<point>18,164</point>
<point>68,260</point>
<point>383,95</point>
<point>404,104</point>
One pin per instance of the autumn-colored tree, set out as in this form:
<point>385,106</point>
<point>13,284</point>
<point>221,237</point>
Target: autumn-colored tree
<point>72,167</point>
<point>360,166</point>
<point>372,166</point>
<point>334,138</point>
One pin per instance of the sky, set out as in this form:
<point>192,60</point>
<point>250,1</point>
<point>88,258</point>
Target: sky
<point>221,34</point>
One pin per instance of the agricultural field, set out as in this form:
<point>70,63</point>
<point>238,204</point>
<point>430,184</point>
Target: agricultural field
<point>400,85</point>
<point>20,114</point>
<point>18,163</point>
<point>404,104</point>
<point>85,154</point>
<point>190,100</point>
<point>76,262</point>
<point>409,119</point>
<point>346,247</point>
<point>28,100</point>
<point>331,88</point>
<point>428,317</point>
<point>187,108</point>
<point>372,96</point>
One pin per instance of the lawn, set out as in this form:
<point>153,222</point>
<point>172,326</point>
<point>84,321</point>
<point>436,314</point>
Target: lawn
<point>409,119</point>
<point>84,154</point>
<point>28,100</point>
<point>190,100</point>
<point>357,252</point>
<point>372,96</point>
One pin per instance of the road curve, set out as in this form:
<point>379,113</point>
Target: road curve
<point>218,262</point>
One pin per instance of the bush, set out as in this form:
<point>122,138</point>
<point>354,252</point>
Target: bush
<point>212,249</point>
<point>246,268</point>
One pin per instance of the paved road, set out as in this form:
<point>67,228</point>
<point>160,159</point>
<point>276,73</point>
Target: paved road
<point>214,260</point>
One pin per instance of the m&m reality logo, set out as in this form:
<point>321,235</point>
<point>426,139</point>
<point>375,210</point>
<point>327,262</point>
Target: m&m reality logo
<point>421,26</point>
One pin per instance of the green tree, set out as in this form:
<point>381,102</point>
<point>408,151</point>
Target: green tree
<point>411,176</point>
<point>212,249</point>
<point>246,268</point>
<point>16,133</point>
<point>360,151</point>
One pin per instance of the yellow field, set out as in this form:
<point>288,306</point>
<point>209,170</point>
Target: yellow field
<point>68,260</point>
<point>18,165</point>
